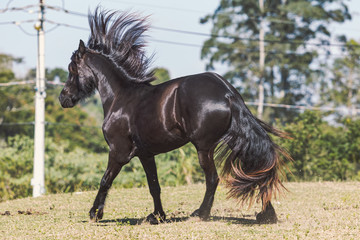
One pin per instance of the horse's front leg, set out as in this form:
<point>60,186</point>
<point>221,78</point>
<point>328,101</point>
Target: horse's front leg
<point>115,164</point>
<point>151,174</point>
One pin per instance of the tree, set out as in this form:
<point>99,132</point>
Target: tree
<point>17,113</point>
<point>289,26</point>
<point>7,60</point>
<point>50,74</point>
<point>161,75</point>
<point>322,151</point>
<point>15,101</point>
<point>343,88</point>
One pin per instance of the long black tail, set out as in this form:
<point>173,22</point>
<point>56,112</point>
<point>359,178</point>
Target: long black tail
<point>251,161</point>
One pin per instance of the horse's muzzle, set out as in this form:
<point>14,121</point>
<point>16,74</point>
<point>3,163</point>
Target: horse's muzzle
<point>66,102</point>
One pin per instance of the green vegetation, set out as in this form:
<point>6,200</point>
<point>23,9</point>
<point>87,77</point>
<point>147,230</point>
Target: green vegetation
<point>76,153</point>
<point>320,152</point>
<point>294,69</point>
<point>80,170</point>
<point>161,75</point>
<point>319,210</point>
<point>294,73</point>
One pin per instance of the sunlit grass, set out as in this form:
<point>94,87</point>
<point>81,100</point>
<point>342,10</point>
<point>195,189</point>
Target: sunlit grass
<point>322,210</point>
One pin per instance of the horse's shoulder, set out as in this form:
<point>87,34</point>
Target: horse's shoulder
<point>117,119</point>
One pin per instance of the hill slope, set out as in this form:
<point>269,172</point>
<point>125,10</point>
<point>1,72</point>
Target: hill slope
<point>322,210</point>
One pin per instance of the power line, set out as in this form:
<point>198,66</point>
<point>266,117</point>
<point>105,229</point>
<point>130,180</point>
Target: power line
<point>250,39</point>
<point>62,9</point>
<point>52,29</point>
<point>27,33</point>
<point>203,34</point>
<point>63,3</point>
<point>8,3</point>
<point>48,123</point>
<point>18,8</point>
<point>72,125</point>
<point>269,19</point>
<point>18,22</point>
<point>11,22</point>
<point>176,43</point>
<point>159,6</point>
<point>178,30</point>
<point>152,39</point>
<point>273,105</point>
<point>66,25</point>
<point>16,123</point>
<point>55,83</point>
<point>220,36</point>
<point>16,83</point>
<point>301,107</point>
<point>132,3</point>
<point>191,44</point>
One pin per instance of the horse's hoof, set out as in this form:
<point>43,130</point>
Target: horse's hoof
<point>96,214</point>
<point>155,219</point>
<point>266,218</point>
<point>92,214</point>
<point>201,214</point>
<point>196,213</point>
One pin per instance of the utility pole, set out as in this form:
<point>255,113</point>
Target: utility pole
<point>261,62</point>
<point>38,181</point>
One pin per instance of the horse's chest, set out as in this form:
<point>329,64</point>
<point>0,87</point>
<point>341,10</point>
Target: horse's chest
<point>116,126</point>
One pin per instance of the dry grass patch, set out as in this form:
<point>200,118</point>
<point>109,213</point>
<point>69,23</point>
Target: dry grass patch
<point>322,210</point>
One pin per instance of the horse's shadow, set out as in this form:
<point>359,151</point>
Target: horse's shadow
<point>138,221</point>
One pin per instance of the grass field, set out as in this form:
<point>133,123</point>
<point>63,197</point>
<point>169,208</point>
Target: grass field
<point>321,210</point>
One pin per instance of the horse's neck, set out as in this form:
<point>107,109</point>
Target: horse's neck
<point>107,90</point>
<point>111,82</point>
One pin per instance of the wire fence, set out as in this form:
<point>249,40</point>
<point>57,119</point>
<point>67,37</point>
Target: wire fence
<point>24,82</point>
<point>29,8</point>
<point>342,110</point>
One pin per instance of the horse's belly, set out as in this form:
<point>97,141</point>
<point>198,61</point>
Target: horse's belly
<point>160,141</point>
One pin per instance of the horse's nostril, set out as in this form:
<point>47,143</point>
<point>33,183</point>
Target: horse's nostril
<point>61,98</point>
<point>65,101</point>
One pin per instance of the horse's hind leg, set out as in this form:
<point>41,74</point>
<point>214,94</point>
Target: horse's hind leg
<point>212,180</point>
<point>151,174</point>
<point>268,215</point>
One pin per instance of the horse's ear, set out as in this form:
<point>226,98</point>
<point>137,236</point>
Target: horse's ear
<point>81,49</point>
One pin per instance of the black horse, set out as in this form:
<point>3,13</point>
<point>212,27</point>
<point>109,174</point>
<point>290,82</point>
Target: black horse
<point>144,120</point>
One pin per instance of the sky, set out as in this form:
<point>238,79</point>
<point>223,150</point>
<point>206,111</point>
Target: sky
<point>177,52</point>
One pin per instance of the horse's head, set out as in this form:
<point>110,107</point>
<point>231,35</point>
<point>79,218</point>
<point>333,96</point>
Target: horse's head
<point>81,81</point>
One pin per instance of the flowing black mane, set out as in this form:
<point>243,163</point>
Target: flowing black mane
<point>119,36</point>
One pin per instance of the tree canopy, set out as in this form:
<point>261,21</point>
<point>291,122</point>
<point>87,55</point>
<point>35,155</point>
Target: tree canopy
<point>291,29</point>
<point>17,112</point>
